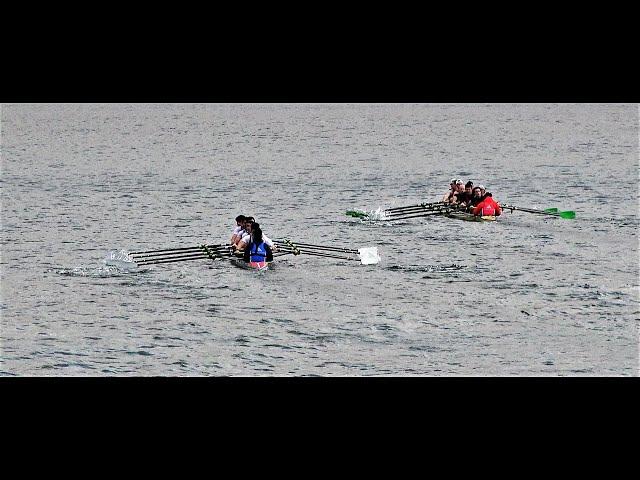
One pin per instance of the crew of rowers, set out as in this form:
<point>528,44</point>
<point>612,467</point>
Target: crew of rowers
<point>475,200</point>
<point>249,241</point>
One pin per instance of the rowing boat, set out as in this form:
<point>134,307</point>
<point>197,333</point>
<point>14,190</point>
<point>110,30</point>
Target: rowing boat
<point>365,255</point>
<point>261,266</point>
<point>469,217</point>
<point>447,210</point>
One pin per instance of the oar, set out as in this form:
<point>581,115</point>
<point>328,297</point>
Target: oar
<point>569,214</point>
<point>195,251</point>
<point>179,259</point>
<point>183,249</point>
<point>308,246</point>
<point>320,254</point>
<point>210,254</point>
<point>366,255</point>
<point>422,205</point>
<point>180,250</point>
<point>284,252</point>
<point>357,214</point>
<point>398,210</point>
<point>204,252</point>
<point>425,214</point>
<point>419,210</point>
<point>311,245</point>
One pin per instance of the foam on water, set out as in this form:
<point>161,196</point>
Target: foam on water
<point>93,271</point>
<point>120,259</point>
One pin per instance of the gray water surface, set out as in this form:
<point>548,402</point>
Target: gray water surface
<point>527,295</point>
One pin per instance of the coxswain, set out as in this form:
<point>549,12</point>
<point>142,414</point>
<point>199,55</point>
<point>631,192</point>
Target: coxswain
<point>488,206</point>
<point>258,252</point>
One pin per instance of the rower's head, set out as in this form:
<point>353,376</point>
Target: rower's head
<point>481,187</point>
<point>248,221</point>
<point>468,187</point>
<point>459,185</point>
<point>477,192</point>
<point>256,233</point>
<point>240,220</point>
<point>452,183</point>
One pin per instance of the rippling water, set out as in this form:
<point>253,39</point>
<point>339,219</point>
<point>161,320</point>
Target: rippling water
<point>526,295</point>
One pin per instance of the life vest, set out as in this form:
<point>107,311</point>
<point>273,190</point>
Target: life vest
<point>487,207</point>
<point>488,210</point>
<point>257,252</point>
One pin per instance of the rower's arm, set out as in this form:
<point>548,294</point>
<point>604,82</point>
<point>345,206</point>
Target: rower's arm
<point>269,242</point>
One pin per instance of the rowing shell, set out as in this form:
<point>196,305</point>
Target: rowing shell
<point>469,217</point>
<point>251,265</point>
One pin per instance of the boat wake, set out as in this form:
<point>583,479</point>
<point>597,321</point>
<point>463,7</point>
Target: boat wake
<point>377,215</point>
<point>428,268</point>
<point>117,262</point>
<point>120,259</point>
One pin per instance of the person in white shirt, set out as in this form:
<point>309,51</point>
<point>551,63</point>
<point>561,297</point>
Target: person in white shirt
<point>246,239</point>
<point>238,232</point>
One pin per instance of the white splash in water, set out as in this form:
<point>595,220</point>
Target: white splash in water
<point>378,214</point>
<point>121,260</point>
<point>117,262</point>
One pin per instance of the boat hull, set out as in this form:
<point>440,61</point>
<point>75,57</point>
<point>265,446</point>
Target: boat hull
<point>251,265</point>
<point>469,217</point>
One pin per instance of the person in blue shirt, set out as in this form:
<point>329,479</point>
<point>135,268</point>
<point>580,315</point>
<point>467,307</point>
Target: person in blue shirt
<point>257,253</point>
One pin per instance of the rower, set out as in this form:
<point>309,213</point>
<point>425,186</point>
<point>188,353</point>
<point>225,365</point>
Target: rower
<point>246,239</point>
<point>258,251</point>
<point>476,198</point>
<point>452,190</point>
<point>488,206</point>
<point>459,190</point>
<point>238,232</point>
<point>464,197</point>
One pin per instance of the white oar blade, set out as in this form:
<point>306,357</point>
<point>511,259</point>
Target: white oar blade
<point>369,255</point>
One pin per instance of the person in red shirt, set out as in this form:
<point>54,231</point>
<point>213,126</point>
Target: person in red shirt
<point>488,206</point>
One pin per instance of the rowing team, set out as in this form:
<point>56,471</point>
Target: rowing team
<point>247,239</point>
<point>475,200</point>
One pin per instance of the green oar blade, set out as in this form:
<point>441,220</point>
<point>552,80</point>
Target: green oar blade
<point>570,214</point>
<point>551,210</point>
<point>356,214</point>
